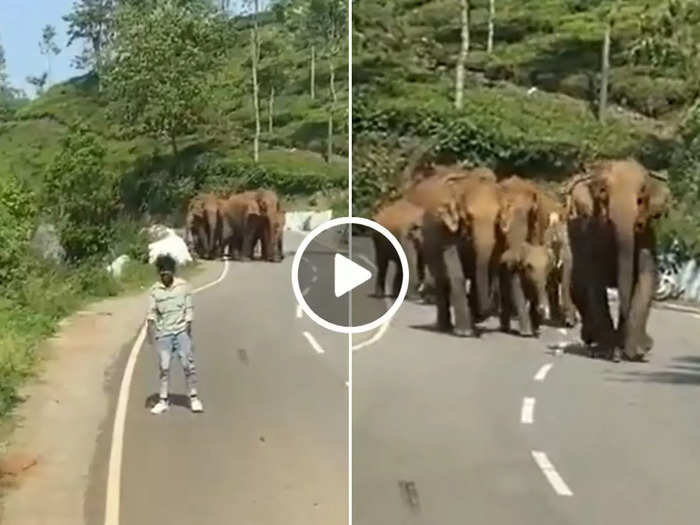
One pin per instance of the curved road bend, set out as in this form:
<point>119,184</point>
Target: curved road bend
<point>271,446</point>
<point>441,433</point>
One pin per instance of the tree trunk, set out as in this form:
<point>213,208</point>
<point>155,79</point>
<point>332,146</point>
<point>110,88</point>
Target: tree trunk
<point>463,52</point>
<point>330,112</point>
<point>492,16</point>
<point>605,73</point>
<point>256,99</point>
<point>270,109</point>
<point>313,72</point>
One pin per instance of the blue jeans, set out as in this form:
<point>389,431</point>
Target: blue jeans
<point>180,344</point>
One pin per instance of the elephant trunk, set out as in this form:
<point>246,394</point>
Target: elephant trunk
<point>484,243</point>
<point>623,216</point>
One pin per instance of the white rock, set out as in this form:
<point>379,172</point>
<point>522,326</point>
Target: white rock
<point>117,266</point>
<point>156,232</point>
<point>174,245</point>
<point>306,220</point>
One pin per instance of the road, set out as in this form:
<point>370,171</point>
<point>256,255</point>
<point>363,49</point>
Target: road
<point>500,430</point>
<point>271,446</point>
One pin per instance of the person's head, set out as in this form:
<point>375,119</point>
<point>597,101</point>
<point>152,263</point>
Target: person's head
<point>165,264</point>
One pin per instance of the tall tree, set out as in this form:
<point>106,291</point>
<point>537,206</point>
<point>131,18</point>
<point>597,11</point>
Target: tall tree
<point>157,77</point>
<point>492,17</point>
<point>328,18</point>
<point>39,82</point>
<point>463,52</point>
<point>48,48</point>
<point>92,22</point>
<point>255,56</point>
<point>609,20</point>
<point>295,15</point>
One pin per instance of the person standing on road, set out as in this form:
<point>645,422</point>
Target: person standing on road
<point>170,330</point>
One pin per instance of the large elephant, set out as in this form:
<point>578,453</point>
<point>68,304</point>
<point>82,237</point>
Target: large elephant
<point>611,228</point>
<point>203,225</point>
<point>404,220</point>
<point>242,220</point>
<point>268,206</point>
<point>461,245</point>
<point>520,224</point>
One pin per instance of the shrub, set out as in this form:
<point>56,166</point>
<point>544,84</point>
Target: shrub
<point>17,221</point>
<point>82,194</point>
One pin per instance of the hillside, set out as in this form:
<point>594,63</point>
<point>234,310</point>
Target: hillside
<point>529,106</point>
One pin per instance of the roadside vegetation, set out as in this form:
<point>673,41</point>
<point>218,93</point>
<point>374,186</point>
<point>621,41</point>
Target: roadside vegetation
<point>235,101</point>
<point>533,101</point>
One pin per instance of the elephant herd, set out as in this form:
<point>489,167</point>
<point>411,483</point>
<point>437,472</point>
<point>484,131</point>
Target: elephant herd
<point>236,224</point>
<point>502,247</point>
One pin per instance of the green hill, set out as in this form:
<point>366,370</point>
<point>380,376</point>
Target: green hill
<point>530,106</point>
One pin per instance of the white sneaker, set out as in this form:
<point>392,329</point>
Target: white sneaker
<point>160,407</point>
<point>196,404</point>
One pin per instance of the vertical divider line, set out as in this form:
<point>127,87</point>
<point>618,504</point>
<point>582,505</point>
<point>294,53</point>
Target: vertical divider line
<point>350,256</point>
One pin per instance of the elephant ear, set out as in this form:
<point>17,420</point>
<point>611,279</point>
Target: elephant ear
<point>449,215</point>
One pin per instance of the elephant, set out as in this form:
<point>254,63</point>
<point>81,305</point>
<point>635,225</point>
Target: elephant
<point>532,264</point>
<point>268,207</point>
<point>203,225</point>
<point>461,246</point>
<point>519,224</point>
<point>561,305</point>
<point>278,224</point>
<point>242,220</point>
<point>612,209</point>
<point>404,220</point>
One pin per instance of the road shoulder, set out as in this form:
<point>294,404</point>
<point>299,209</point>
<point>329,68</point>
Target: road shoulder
<point>67,408</point>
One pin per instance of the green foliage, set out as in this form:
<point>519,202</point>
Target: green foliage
<point>17,220</point>
<point>81,194</point>
<point>159,76</point>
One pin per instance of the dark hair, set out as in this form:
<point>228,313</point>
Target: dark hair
<point>165,263</point>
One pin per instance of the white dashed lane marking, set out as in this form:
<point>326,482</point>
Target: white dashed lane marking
<point>527,414</point>
<point>555,480</point>
<point>314,344</point>
<point>542,372</point>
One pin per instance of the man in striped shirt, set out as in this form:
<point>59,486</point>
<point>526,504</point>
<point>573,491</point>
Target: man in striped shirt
<point>170,329</point>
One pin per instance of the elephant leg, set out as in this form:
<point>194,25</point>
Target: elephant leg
<point>506,311</point>
<point>398,279</point>
<point>555,311</point>
<point>382,262</point>
<point>464,326</point>
<point>637,342</point>
<point>247,244</point>
<point>601,324</point>
<point>203,241</point>
<point>521,304</point>
<point>414,279</point>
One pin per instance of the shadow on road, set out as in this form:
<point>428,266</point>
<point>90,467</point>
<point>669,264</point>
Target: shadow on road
<point>684,371</point>
<point>179,400</point>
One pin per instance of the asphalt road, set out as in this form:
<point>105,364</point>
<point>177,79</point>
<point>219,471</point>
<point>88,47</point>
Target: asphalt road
<point>453,431</point>
<point>271,446</point>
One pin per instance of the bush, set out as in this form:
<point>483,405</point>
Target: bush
<point>82,195</point>
<point>17,221</point>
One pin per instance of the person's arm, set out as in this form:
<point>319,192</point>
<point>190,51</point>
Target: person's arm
<point>189,310</point>
<point>151,317</point>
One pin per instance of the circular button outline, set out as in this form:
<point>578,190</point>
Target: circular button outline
<point>301,300</point>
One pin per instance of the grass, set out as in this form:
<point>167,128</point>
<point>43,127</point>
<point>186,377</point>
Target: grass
<point>43,299</point>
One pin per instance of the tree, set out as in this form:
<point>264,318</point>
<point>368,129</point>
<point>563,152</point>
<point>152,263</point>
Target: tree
<point>463,52</point>
<point>255,56</point>
<point>39,82</point>
<point>158,76</point>
<point>91,21</point>
<point>295,16</point>
<point>82,195</point>
<point>48,48</point>
<point>610,14</point>
<point>272,74</point>
<point>328,18</point>
<point>492,17</point>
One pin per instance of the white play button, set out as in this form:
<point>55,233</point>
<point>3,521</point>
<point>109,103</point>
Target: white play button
<point>348,275</point>
<point>324,271</point>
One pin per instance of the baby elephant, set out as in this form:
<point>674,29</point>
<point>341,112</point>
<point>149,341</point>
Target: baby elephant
<point>524,275</point>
